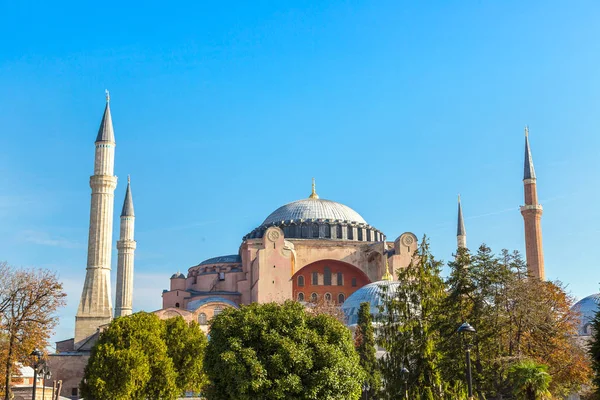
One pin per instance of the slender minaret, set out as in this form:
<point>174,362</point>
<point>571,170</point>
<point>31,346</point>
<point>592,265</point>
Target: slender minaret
<point>126,248</point>
<point>95,306</point>
<point>461,233</point>
<point>532,215</point>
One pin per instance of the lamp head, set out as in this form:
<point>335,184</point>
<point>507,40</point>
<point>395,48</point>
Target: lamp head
<point>466,327</point>
<point>36,353</point>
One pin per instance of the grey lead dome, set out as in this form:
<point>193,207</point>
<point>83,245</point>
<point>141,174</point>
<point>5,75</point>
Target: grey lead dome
<point>314,209</point>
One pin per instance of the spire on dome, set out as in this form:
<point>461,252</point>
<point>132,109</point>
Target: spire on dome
<point>314,194</point>
<point>128,203</point>
<point>529,172</point>
<point>386,275</point>
<point>106,132</point>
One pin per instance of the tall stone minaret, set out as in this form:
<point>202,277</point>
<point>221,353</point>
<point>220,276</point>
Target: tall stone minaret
<point>126,247</point>
<point>532,215</point>
<point>95,306</point>
<point>461,232</point>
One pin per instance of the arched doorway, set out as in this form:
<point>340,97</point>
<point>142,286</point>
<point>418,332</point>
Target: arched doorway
<point>331,279</point>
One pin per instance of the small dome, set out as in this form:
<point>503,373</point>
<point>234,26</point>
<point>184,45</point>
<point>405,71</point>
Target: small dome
<point>178,275</point>
<point>373,293</point>
<point>234,258</point>
<point>587,307</point>
<point>313,208</point>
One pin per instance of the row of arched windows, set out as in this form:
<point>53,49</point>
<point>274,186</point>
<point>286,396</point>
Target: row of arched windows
<point>327,278</point>
<point>315,231</point>
<point>314,297</point>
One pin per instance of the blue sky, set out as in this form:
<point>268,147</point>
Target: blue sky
<point>224,111</point>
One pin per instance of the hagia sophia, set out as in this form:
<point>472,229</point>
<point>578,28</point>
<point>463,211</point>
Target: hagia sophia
<point>308,250</point>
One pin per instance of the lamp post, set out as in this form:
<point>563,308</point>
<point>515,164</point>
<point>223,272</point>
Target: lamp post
<point>38,357</point>
<point>464,329</point>
<point>47,375</point>
<point>366,389</point>
<point>404,373</point>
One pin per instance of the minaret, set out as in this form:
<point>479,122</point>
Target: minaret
<point>126,247</point>
<point>95,306</point>
<point>461,233</point>
<point>532,215</point>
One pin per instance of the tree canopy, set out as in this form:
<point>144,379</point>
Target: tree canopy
<point>280,351</point>
<point>141,357</point>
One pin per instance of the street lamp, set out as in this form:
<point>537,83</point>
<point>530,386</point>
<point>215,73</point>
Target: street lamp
<point>38,357</point>
<point>465,328</point>
<point>366,389</point>
<point>404,373</point>
<point>47,375</point>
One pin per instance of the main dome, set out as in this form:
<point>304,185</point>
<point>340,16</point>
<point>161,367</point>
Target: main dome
<point>311,208</point>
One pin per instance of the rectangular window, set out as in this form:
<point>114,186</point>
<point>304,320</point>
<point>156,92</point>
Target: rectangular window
<point>73,392</point>
<point>340,280</point>
<point>315,278</point>
<point>353,282</point>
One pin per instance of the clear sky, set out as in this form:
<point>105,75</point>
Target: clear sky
<point>223,111</point>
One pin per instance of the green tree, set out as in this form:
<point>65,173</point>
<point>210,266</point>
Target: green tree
<point>186,344</point>
<point>273,351</point>
<point>130,362</point>
<point>365,346</point>
<point>530,380</point>
<point>410,329</point>
<point>594,352</point>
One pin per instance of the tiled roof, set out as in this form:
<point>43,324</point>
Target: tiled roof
<point>313,208</point>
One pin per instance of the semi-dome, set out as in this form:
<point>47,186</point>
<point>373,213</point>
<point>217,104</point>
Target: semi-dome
<point>374,293</point>
<point>313,208</point>
<point>587,308</point>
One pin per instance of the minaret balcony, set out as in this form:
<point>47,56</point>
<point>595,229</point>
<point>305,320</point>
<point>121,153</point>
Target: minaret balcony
<point>532,207</point>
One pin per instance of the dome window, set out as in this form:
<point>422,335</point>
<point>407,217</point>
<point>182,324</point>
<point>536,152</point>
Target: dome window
<point>350,233</point>
<point>305,231</point>
<point>202,319</point>
<point>315,231</point>
<point>338,228</point>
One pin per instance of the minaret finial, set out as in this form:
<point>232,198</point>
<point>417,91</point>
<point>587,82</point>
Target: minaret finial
<point>129,180</point>
<point>314,194</point>
<point>526,130</point>
<point>107,95</point>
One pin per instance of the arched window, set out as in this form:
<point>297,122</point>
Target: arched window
<point>300,280</point>
<point>300,296</point>
<point>341,298</point>
<point>315,230</point>
<point>315,278</point>
<point>340,279</point>
<point>176,305</point>
<point>314,297</point>
<point>327,297</point>
<point>353,282</point>
<point>304,230</point>
<point>202,318</point>
<point>217,311</point>
<point>338,229</point>
<point>360,233</point>
<point>327,231</point>
<point>327,276</point>
<point>350,233</point>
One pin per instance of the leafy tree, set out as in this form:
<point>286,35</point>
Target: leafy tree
<point>273,351</point>
<point>410,329</point>
<point>530,380</point>
<point>130,361</point>
<point>594,352</point>
<point>29,299</point>
<point>186,344</point>
<point>365,346</point>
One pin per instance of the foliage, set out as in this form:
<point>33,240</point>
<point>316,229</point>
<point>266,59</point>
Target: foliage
<point>273,351</point>
<point>410,329</point>
<point>364,341</point>
<point>530,380</point>
<point>29,299</point>
<point>594,352</point>
<point>327,307</point>
<point>141,357</point>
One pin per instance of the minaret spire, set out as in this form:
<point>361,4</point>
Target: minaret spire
<point>532,216</point>
<point>126,247</point>
<point>461,232</point>
<point>314,194</point>
<point>95,306</point>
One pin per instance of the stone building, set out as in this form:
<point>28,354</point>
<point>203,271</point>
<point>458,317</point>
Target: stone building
<point>308,250</point>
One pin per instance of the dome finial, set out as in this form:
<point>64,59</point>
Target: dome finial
<point>386,276</point>
<point>314,194</point>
